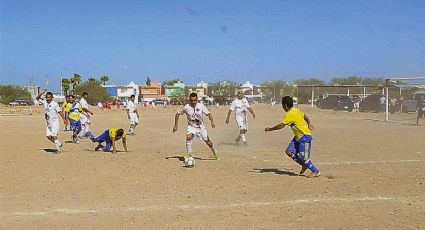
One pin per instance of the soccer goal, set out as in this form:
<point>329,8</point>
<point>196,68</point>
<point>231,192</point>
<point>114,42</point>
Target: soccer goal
<point>402,96</point>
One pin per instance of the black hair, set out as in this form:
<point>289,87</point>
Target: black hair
<point>193,95</point>
<point>49,93</point>
<point>120,132</point>
<point>85,94</point>
<point>71,96</point>
<point>288,101</point>
<point>132,95</point>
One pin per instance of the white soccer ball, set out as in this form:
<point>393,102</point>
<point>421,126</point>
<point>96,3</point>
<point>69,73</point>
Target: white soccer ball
<point>189,162</point>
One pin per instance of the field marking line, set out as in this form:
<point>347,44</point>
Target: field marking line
<point>73,211</point>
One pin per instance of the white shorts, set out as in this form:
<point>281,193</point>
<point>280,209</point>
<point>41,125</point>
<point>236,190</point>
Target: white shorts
<point>134,120</point>
<point>200,133</point>
<point>85,119</point>
<point>52,128</point>
<point>242,123</point>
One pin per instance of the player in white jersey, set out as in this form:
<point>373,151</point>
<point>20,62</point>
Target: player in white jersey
<point>51,110</point>
<point>133,114</point>
<point>195,124</point>
<point>85,115</point>
<point>240,106</point>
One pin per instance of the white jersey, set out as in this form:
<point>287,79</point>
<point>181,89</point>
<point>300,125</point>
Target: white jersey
<point>240,106</point>
<point>84,105</point>
<point>51,110</point>
<point>131,107</point>
<point>194,114</point>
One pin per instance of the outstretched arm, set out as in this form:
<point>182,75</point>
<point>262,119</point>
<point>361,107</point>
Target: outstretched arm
<point>210,116</point>
<point>310,125</point>
<point>276,127</point>
<point>251,111</point>
<point>87,111</point>
<point>114,148</point>
<point>176,122</point>
<point>124,144</point>
<point>39,95</point>
<point>228,116</point>
<point>65,121</point>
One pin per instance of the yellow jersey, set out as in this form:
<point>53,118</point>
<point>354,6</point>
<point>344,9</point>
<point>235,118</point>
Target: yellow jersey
<point>295,119</point>
<point>113,134</point>
<point>74,111</point>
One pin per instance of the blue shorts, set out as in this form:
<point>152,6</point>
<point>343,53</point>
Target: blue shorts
<point>301,146</point>
<point>76,125</point>
<point>104,137</point>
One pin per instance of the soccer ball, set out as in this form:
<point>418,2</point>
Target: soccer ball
<point>189,162</point>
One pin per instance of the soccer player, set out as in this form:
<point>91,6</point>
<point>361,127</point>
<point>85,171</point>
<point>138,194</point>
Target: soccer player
<point>299,148</point>
<point>65,105</point>
<point>240,106</point>
<point>421,109</point>
<point>51,111</point>
<point>195,124</point>
<point>132,114</point>
<point>85,115</point>
<point>74,110</point>
<point>110,136</point>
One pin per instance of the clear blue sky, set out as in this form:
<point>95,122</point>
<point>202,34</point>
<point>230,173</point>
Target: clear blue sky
<point>210,40</point>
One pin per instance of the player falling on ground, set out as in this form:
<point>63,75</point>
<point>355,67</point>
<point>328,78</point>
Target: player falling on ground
<point>240,106</point>
<point>74,110</point>
<point>299,149</point>
<point>421,109</point>
<point>51,111</point>
<point>195,125</point>
<point>110,137</point>
<point>132,114</point>
<point>85,116</point>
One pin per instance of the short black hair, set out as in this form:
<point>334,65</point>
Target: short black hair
<point>120,132</point>
<point>49,93</point>
<point>132,95</point>
<point>288,101</point>
<point>85,94</point>
<point>193,95</point>
<point>71,96</point>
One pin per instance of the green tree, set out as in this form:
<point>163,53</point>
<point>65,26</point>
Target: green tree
<point>170,82</point>
<point>104,79</point>
<point>9,93</point>
<point>75,80</point>
<point>66,84</point>
<point>304,93</point>
<point>94,89</point>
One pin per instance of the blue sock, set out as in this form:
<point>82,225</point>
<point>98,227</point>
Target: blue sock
<point>311,166</point>
<point>90,135</point>
<point>297,159</point>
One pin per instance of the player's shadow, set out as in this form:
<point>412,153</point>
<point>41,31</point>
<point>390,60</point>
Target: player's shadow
<point>50,150</point>
<point>180,158</point>
<point>276,171</point>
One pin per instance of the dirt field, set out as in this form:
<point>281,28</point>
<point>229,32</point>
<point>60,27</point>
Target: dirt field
<point>372,175</point>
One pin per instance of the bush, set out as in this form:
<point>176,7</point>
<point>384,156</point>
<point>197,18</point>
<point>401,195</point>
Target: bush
<point>9,93</point>
<point>95,90</point>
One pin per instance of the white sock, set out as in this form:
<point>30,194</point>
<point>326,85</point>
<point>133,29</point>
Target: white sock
<point>188,146</point>
<point>214,150</point>
<point>130,130</point>
<point>57,144</point>
<point>243,137</point>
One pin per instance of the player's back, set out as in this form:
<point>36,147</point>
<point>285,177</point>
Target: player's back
<point>295,119</point>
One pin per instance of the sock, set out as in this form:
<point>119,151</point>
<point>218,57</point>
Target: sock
<point>238,138</point>
<point>82,132</point>
<point>243,137</point>
<point>57,144</point>
<point>296,159</point>
<point>130,130</point>
<point>311,166</point>
<point>214,150</point>
<point>90,135</point>
<point>189,147</point>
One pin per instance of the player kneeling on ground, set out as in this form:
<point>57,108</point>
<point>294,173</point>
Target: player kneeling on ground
<point>299,148</point>
<point>110,136</point>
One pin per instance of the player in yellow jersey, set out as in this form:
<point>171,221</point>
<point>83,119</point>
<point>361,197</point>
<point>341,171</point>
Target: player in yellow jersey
<point>299,148</point>
<point>74,109</point>
<point>65,108</point>
<point>110,136</point>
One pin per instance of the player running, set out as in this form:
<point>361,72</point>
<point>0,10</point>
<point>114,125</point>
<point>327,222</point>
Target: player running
<point>85,116</point>
<point>110,136</point>
<point>51,110</point>
<point>74,112</point>
<point>132,114</point>
<point>299,148</point>
<point>195,125</point>
<point>240,106</point>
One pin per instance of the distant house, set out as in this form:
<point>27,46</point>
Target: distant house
<point>176,90</point>
<point>123,92</point>
<point>252,91</point>
<point>152,92</point>
<point>201,89</point>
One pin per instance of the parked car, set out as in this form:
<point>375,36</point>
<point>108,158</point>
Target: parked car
<point>336,102</point>
<point>410,104</point>
<point>21,103</point>
<point>157,101</point>
<point>371,103</point>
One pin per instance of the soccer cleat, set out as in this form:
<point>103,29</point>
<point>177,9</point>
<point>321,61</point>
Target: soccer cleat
<point>97,148</point>
<point>313,174</point>
<point>187,155</point>
<point>217,157</point>
<point>303,169</point>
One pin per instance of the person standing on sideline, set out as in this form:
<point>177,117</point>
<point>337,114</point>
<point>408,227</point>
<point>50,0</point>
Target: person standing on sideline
<point>132,114</point>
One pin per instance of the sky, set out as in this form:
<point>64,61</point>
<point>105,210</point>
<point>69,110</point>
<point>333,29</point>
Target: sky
<point>210,40</point>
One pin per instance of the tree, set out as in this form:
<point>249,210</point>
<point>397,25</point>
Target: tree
<point>75,80</point>
<point>304,93</point>
<point>170,82</point>
<point>9,93</point>
<point>92,79</point>
<point>66,84</point>
<point>94,89</point>
<point>104,79</point>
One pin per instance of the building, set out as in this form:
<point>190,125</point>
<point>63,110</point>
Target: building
<point>252,91</point>
<point>123,92</point>
<point>177,90</point>
<point>152,92</point>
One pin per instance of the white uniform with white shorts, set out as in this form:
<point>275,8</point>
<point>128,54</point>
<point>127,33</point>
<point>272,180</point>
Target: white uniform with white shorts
<point>51,111</point>
<point>84,117</point>
<point>195,123</point>
<point>240,107</point>
<point>131,107</point>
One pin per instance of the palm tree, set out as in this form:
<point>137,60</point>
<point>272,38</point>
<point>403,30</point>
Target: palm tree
<point>92,79</point>
<point>75,80</point>
<point>104,79</point>
<point>66,83</point>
